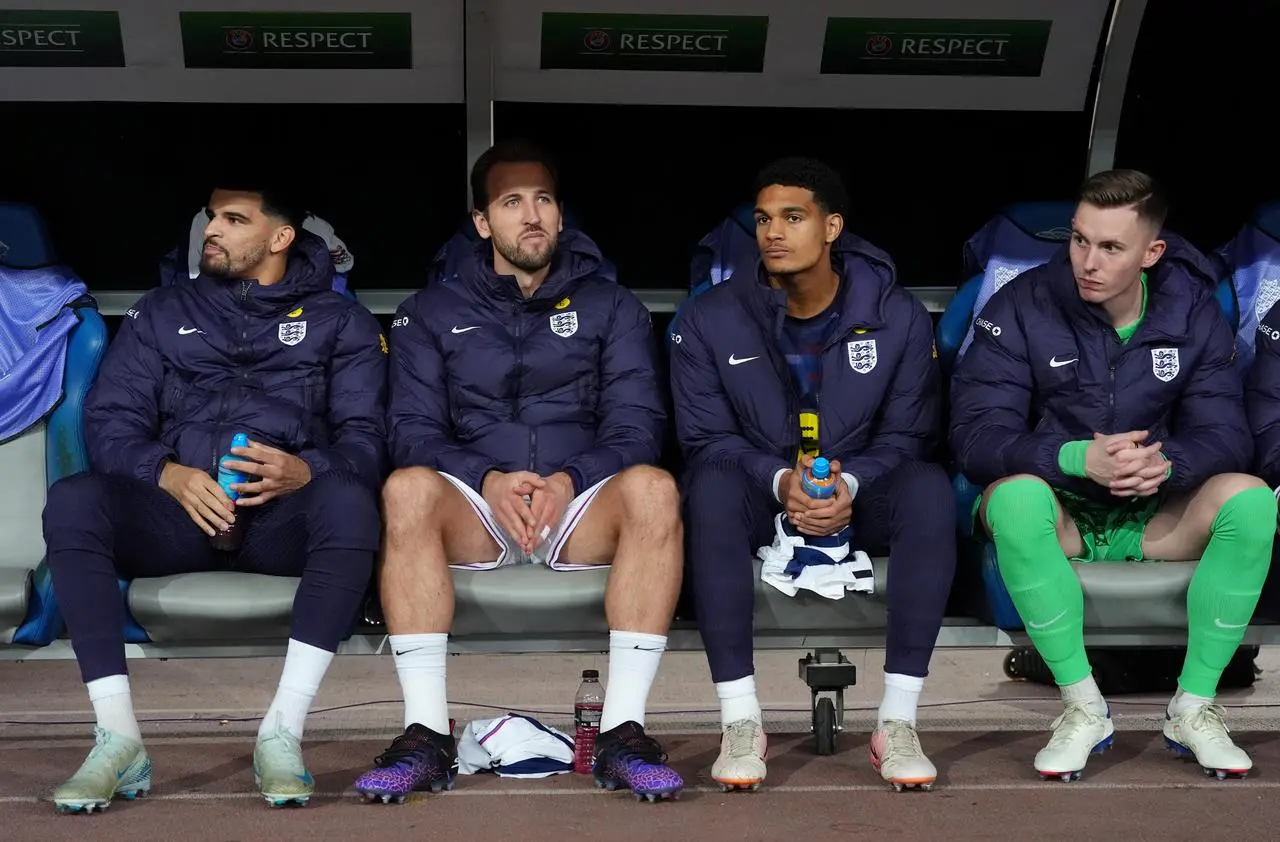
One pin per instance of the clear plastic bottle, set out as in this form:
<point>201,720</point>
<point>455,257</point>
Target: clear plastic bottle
<point>587,707</point>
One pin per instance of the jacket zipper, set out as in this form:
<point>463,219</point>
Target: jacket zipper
<point>1111,397</point>
<point>783,370</point>
<point>520,309</point>
<point>222,403</point>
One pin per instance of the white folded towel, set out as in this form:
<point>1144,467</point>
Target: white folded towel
<point>825,565</point>
<point>514,746</point>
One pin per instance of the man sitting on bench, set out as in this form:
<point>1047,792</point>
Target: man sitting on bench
<point>259,344</point>
<point>1262,402</point>
<point>525,412</point>
<point>1099,406</point>
<point>817,350</point>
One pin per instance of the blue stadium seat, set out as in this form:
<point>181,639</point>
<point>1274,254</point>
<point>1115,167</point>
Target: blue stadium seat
<point>1117,596</point>
<point>1251,263</point>
<point>726,250</point>
<point>1021,236</point>
<point>49,450</point>
<point>24,239</point>
<point>65,454</point>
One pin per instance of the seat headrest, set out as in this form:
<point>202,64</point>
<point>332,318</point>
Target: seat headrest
<point>1043,220</point>
<point>745,215</point>
<point>570,219</point>
<point>1266,218</point>
<point>26,240</point>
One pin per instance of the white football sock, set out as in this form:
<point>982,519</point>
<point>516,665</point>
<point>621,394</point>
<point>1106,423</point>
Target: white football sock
<point>304,669</point>
<point>901,697</point>
<point>420,663</point>
<point>633,664</point>
<point>113,705</point>
<point>738,700</point>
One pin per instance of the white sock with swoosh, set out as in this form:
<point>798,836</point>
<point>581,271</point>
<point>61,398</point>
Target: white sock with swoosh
<point>420,664</point>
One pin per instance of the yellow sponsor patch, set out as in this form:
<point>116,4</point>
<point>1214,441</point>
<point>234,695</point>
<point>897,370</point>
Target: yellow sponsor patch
<point>562,303</point>
<point>808,434</point>
<point>295,313</point>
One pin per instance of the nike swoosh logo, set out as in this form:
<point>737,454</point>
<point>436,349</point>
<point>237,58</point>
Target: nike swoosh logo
<point>735,361</point>
<point>1057,363</point>
<point>1062,614</point>
<point>407,651</point>
<point>465,329</point>
<point>1217,621</point>
<point>184,331</point>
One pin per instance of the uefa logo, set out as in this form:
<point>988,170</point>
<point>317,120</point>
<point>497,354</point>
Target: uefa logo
<point>596,40</point>
<point>239,39</point>
<point>879,45</point>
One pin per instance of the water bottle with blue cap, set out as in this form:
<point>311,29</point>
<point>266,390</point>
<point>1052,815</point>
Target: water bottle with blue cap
<point>818,481</point>
<point>229,540</point>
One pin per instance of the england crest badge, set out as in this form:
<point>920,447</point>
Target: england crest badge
<point>291,333</point>
<point>1164,363</point>
<point>564,324</point>
<point>862,355</point>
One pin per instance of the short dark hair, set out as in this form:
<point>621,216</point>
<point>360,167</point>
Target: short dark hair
<point>277,200</point>
<point>1127,188</point>
<point>515,151</point>
<point>818,178</point>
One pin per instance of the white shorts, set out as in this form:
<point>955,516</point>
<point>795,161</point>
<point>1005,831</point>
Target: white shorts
<point>545,553</point>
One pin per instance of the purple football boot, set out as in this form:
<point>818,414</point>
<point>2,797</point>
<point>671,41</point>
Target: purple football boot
<point>416,761</point>
<point>626,756</point>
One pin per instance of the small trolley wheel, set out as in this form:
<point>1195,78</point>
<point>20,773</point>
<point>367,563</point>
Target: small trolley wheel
<point>824,726</point>
<point>1011,665</point>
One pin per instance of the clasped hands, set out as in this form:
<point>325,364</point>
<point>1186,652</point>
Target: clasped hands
<point>1125,465</point>
<point>526,505</point>
<point>809,515</point>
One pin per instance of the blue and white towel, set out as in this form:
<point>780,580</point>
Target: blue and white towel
<point>514,746</point>
<point>828,566</point>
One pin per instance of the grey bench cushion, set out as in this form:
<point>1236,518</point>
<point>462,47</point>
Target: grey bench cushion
<point>15,591</point>
<point>193,607</point>
<point>1135,595</point>
<point>21,527</point>
<point>522,600</point>
<point>528,599</point>
<point>533,600</point>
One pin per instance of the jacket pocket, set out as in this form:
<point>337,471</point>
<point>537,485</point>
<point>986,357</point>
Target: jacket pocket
<point>175,395</point>
<point>315,394</point>
<point>589,395</point>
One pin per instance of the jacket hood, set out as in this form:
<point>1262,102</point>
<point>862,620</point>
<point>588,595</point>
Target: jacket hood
<point>868,276</point>
<point>310,268</point>
<point>1178,282</point>
<point>577,257</point>
<point>309,271</point>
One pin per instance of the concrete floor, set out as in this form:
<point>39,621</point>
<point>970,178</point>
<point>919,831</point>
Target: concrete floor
<point>980,729</point>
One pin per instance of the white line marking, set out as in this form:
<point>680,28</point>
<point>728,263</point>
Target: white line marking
<point>502,792</point>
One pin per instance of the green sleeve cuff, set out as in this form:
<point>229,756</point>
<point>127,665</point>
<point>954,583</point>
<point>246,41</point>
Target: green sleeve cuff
<point>1071,458</point>
<point>1168,471</point>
